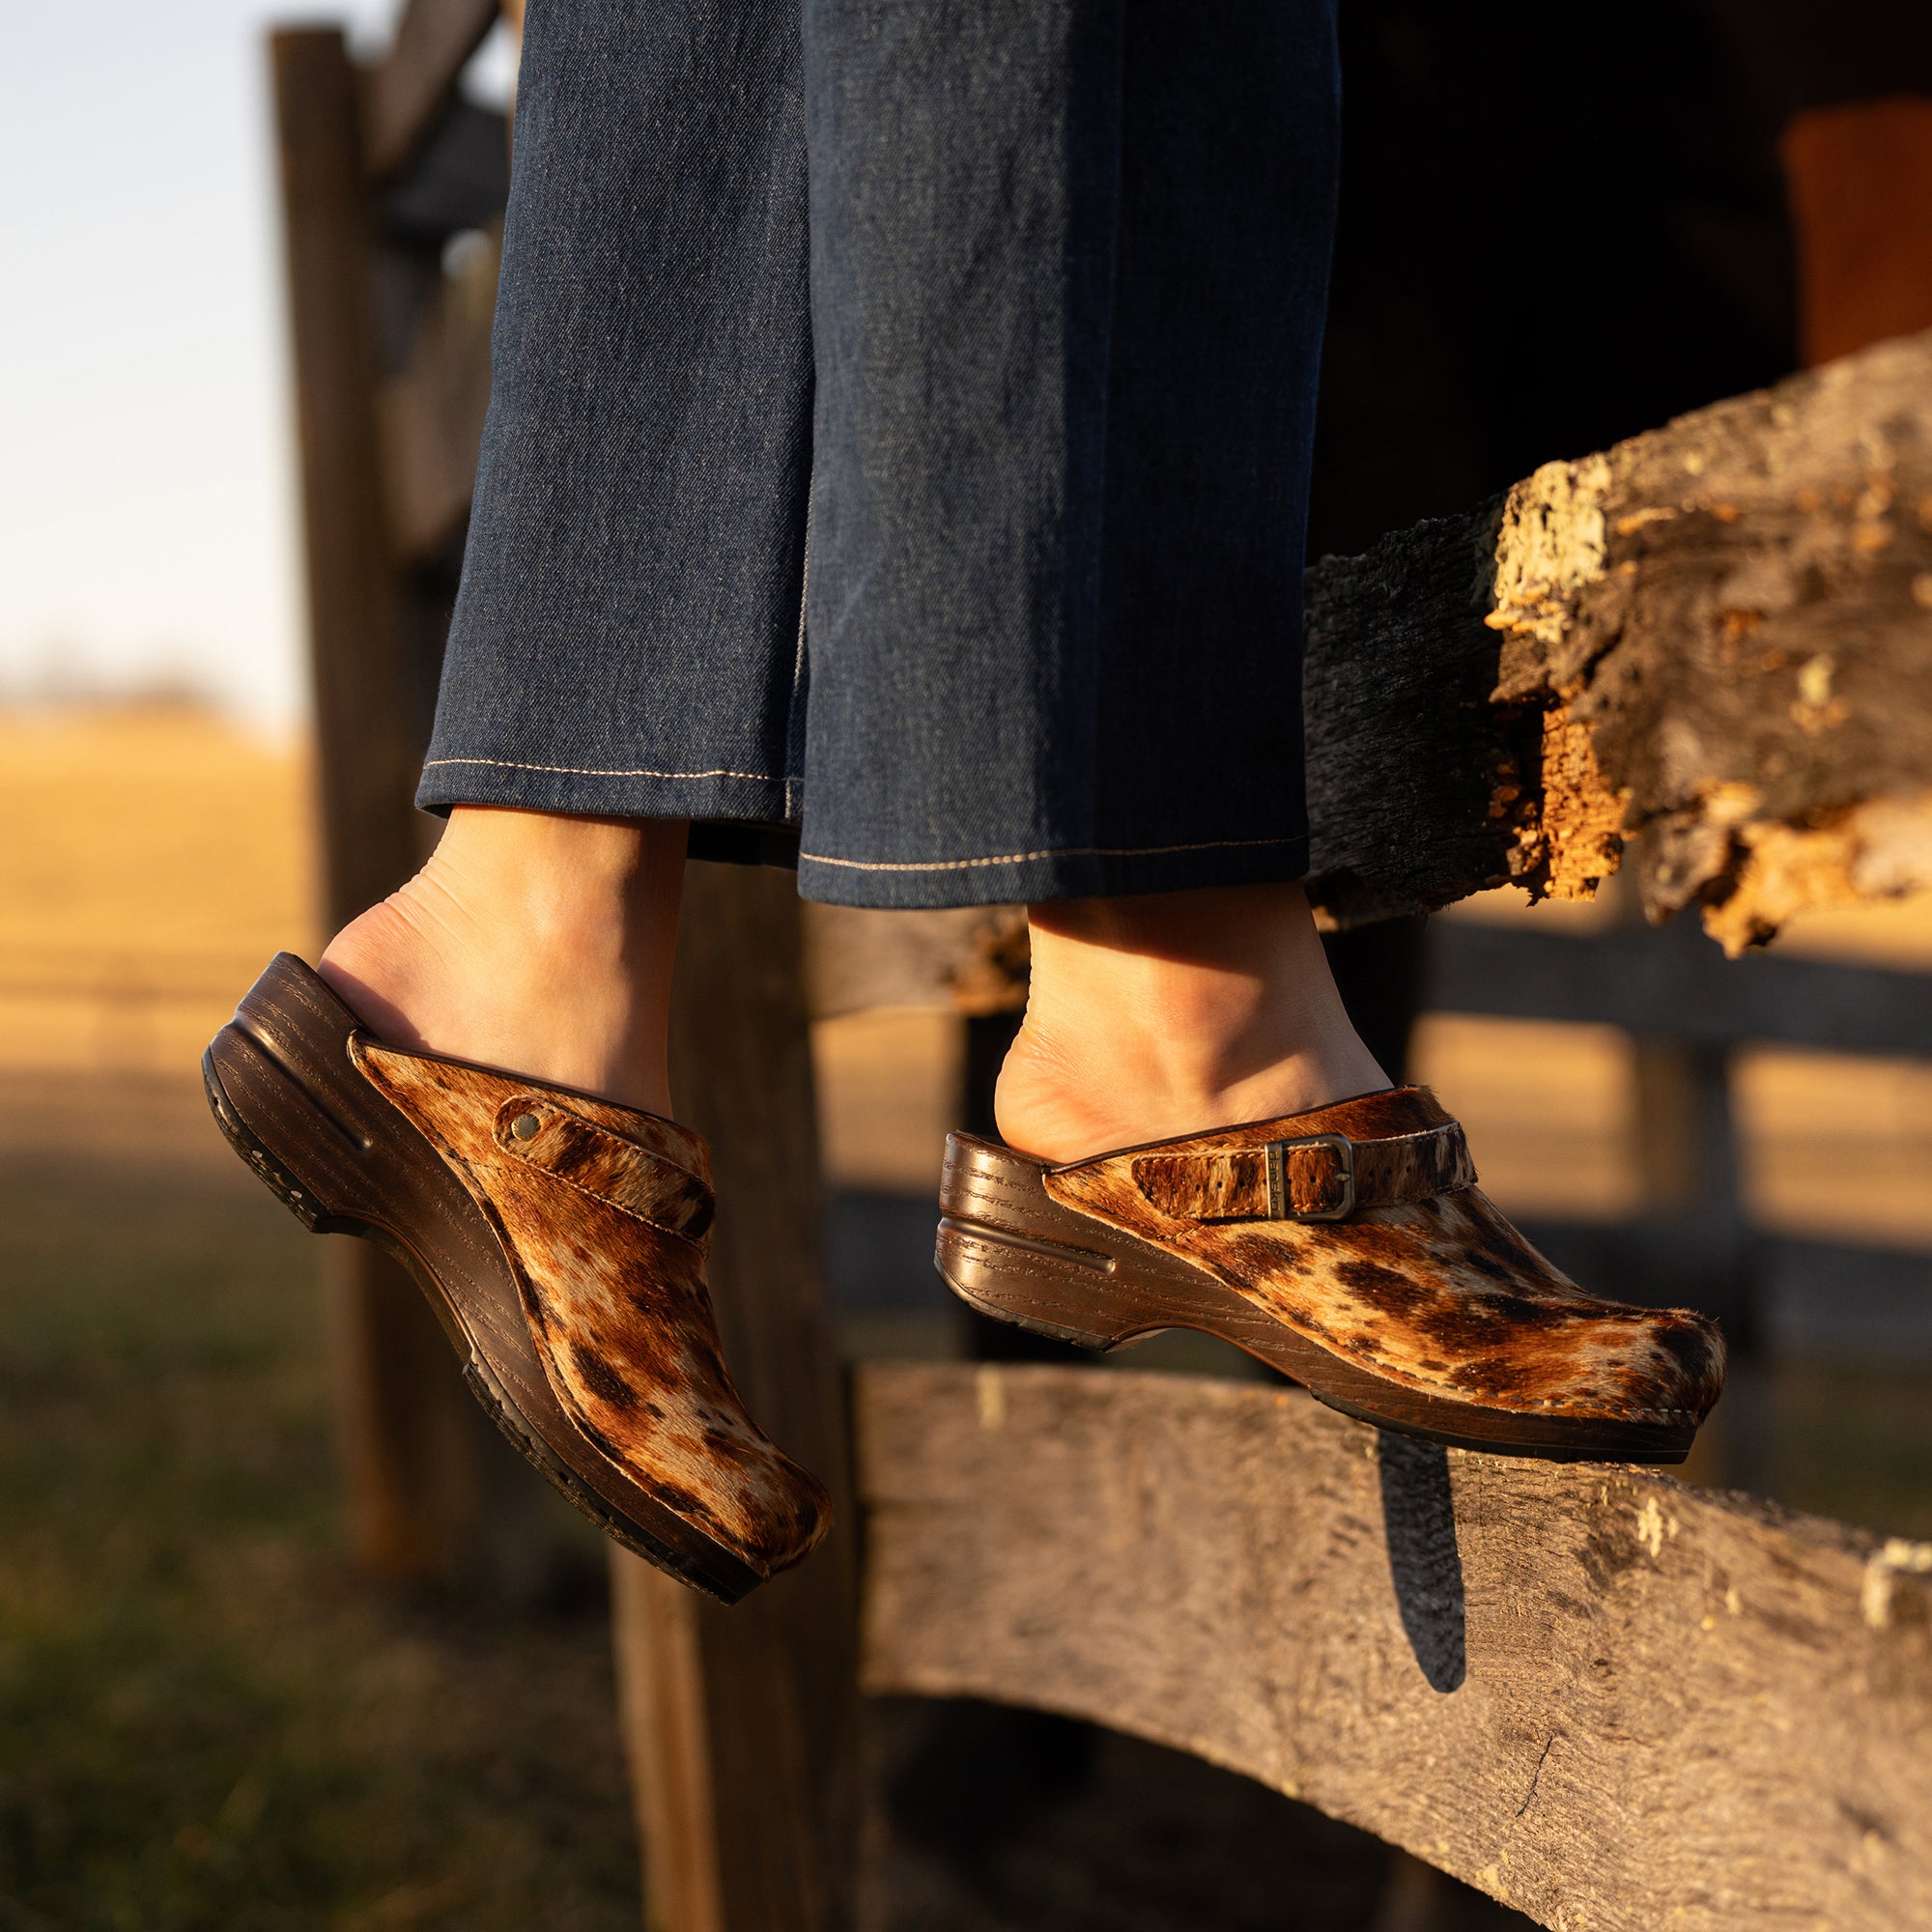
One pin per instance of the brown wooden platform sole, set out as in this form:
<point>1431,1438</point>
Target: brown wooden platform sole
<point>1007,1249</point>
<point>345,1161</point>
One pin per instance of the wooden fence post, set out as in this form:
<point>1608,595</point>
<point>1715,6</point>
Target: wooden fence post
<point>421,1463</point>
<point>741,1723</point>
<point>1685,1145</point>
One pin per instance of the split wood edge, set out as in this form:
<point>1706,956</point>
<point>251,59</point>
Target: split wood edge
<point>1607,1699</point>
<point>1713,639</point>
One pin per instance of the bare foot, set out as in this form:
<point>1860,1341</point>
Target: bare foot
<point>531,942</point>
<point>1156,1016</point>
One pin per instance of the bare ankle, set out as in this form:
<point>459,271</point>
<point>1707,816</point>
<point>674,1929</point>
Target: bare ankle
<point>1175,1013</point>
<point>533,942</point>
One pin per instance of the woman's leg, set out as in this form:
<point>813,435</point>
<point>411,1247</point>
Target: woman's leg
<point>625,654</point>
<point>1070,263</point>
<point>626,638</point>
<point>1068,270</point>
<point>476,1077</point>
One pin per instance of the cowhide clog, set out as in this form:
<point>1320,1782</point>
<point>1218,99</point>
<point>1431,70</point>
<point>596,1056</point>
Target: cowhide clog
<point>1352,1250</point>
<point>559,1238</point>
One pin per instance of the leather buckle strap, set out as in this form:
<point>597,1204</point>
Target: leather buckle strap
<point>1305,1177</point>
<point>1281,1192</point>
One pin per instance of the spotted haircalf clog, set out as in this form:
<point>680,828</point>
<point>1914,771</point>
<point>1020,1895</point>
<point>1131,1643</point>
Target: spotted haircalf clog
<point>559,1238</point>
<point>1351,1249</point>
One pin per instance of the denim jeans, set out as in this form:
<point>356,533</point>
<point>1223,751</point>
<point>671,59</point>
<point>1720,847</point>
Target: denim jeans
<point>899,438</point>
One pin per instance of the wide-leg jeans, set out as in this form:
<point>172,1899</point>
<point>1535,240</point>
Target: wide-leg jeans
<point>899,438</point>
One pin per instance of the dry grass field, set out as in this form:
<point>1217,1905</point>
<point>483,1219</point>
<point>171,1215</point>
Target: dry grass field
<point>207,1722</point>
<point>153,858</point>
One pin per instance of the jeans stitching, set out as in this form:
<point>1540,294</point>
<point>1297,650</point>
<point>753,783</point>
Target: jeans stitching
<point>1050,852</point>
<point>597,772</point>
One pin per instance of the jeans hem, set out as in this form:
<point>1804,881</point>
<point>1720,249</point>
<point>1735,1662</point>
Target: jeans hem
<point>607,793</point>
<point>1022,878</point>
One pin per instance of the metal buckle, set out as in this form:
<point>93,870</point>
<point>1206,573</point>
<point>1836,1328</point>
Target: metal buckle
<point>1281,1205</point>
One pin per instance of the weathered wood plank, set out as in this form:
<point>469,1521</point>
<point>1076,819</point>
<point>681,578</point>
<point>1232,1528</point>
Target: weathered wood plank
<point>1716,635</point>
<point>404,93</point>
<point>742,1721</point>
<point>458,179</point>
<point>1674,985</point>
<point>1614,1703</point>
<point>967,960</point>
<point>367,715</point>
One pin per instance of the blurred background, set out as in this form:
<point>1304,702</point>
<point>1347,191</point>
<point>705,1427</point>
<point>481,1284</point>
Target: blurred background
<point>208,1717</point>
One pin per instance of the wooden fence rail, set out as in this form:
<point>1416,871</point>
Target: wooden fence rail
<point>1674,985</point>
<point>406,94</point>
<point>1615,1703</point>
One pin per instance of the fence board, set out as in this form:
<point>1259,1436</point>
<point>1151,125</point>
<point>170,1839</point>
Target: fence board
<point>1668,983</point>
<point>422,1462</point>
<point>1612,1701</point>
<point>1675,985</point>
<point>406,91</point>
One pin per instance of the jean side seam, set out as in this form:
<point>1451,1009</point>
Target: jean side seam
<point>793,721</point>
<point>602,772</point>
<point>1048,852</point>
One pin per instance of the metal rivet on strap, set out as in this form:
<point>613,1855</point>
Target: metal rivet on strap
<point>524,1126</point>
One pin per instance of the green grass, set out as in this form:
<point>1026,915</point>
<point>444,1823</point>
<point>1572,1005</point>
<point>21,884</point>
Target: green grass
<point>204,1719</point>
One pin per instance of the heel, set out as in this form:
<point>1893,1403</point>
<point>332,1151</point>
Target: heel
<point>1007,1249</point>
<point>290,1101</point>
<point>274,1174</point>
<point>1026,1284</point>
